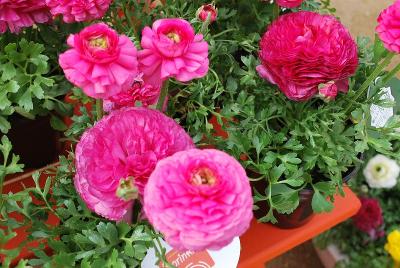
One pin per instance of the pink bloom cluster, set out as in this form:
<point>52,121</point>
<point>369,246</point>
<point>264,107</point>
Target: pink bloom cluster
<point>199,199</point>
<point>289,3</point>
<point>78,10</point>
<point>18,14</point>
<point>172,49</point>
<point>140,91</point>
<point>302,50</point>
<point>388,27</point>
<point>127,143</point>
<point>100,62</point>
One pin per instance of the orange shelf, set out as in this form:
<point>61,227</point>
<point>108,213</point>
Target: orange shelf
<point>264,242</point>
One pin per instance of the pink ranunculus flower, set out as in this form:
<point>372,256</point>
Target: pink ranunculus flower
<point>207,10</point>
<point>78,10</point>
<point>289,3</point>
<point>18,14</point>
<point>199,199</point>
<point>128,143</point>
<point>100,62</point>
<point>172,49</point>
<point>388,27</point>
<point>302,50</point>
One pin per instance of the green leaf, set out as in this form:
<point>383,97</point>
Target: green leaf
<point>379,49</point>
<point>293,182</point>
<point>26,101</point>
<point>4,125</point>
<point>94,237</point>
<point>325,187</point>
<point>269,217</point>
<point>277,172</point>
<point>286,203</point>
<point>320,204</point>
<point>9,87</point>
<point>108,231</point>
<point>57,123</point>
<point>8,71</point>
<point>37,91</point>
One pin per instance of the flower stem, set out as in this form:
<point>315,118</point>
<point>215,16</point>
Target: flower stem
<point>163,95</point>
<point>99,109</point>
<point>159,253</point>
<point>2,176</point>
<point>363,88</point>
<point>391,74</point>
<point>206,23</point>
<point>275,11</point>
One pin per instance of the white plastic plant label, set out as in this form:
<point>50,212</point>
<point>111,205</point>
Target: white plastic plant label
<point>227,257</point>
<point>380,115</point>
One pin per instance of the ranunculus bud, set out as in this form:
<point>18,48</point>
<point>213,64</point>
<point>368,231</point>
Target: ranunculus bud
<point>207,10</point>
<point>127,190</point>
<point>328,91</point>
<point>289,3</point>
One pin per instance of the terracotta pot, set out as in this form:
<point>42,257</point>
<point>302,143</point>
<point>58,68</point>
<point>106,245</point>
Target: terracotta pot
<point>35,141</point>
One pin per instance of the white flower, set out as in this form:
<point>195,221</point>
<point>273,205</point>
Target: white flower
<point>381,172</point>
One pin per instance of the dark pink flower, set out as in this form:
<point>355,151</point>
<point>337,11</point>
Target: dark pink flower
<point>141,92</point>
<point>388,27</point>
<point>18,14</point>
<point>302,50</point>
<point>289,3</point>
<point>100,62</point>
<point>199,199</point>
<point>78,10</point>
<point>172,49</point>
<point>127,144</point>
<point>207,10</point>
<point>369,218</point>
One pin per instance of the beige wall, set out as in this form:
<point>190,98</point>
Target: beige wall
<point>360,15</point>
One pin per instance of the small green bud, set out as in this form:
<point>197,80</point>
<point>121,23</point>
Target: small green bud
<point>127,189</point>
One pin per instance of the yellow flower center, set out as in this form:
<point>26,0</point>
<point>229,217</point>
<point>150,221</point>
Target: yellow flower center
<point>380,171</point>
<point>203,176</point>
<point>99,42</point>
<point>174,37</point>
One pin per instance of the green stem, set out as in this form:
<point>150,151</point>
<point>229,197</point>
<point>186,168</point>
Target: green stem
<point>159,253</point>
<point>163,95</point>
<point>99,109</point>
<point>2,176</point>
<point>206,23</point>
<point>392,73</point>
<point>363,88</point>
<point>275,11</point>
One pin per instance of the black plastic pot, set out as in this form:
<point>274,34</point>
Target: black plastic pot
<point>301,215</point>
<point>35,141</point>
<point>304,212</point>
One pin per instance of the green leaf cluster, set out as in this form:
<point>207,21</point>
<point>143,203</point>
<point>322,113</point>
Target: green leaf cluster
<point>81,238</point>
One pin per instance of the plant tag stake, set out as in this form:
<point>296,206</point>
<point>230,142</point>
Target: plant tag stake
<point>227,257</point>
<point>380,115</point>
